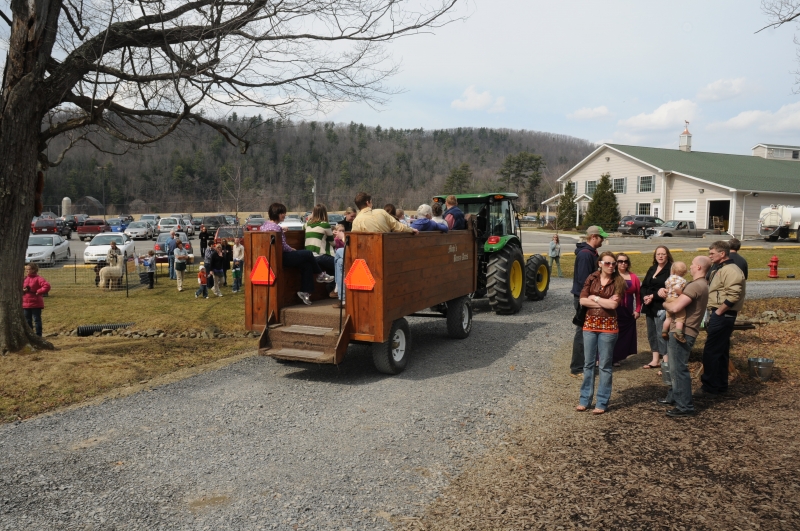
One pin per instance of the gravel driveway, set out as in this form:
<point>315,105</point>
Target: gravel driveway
<point>264,445</point>
<point>261,445</point>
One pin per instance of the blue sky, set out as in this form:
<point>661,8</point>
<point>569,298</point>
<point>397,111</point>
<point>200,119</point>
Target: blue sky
<point>612,71</point>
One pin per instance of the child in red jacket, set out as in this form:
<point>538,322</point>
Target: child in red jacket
<point>202,279</point>
<point>33,288</point>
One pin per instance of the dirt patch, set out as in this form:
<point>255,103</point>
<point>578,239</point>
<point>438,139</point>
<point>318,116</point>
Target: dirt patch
<point>733,466</point>
<point>207,502</point>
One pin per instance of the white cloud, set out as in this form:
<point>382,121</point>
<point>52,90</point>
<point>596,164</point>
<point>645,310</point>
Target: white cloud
<point>587,113</point>
<point>723,89</point>
<point>668,116</point>
<point>472,100</point>
<point>785,119</point>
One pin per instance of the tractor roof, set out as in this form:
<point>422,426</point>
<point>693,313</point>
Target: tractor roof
<point>477,198</point>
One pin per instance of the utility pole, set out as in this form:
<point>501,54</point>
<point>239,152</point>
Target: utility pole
<point>314,191</point>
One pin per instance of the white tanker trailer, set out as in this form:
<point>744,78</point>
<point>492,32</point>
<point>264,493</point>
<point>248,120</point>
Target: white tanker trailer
<point>779,221</point>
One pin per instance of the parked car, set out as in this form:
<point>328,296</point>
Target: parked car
<point>212,223</point>
<point>46,249</point>
<point>118,224</point>
<point>254,223</point>
<point>251,216</point>
<point>91,227</point>
<point>160,246</point>
<point>97,249</point>
<point>64,229</point>
<point>74,220</point>
<point>638,224</point>
<point>152,218</point>
<point>169,225</point>
<point>182,216</point>
<point>188,228</point>
<point>45,226</point>
<point>140,229</point>
<point>333,219</point>
<point>292,222</point>
<point>679,229</point>
<point>196,222</point>
<point>231,219</point>
<point>48,215</point>
<point>126,217</point>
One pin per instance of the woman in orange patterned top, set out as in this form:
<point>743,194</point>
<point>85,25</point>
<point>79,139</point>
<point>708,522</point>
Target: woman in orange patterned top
<point>601,294</point>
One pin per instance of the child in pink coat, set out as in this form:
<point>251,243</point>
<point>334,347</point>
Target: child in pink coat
<point>33,288</point>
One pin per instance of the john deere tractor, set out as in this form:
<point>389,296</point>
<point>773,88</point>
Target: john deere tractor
<point>503,275</point>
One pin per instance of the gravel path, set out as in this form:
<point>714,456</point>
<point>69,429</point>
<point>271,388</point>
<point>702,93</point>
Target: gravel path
<point>264,445</point>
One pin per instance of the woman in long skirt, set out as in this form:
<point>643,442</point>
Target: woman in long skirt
<point>628,311</point>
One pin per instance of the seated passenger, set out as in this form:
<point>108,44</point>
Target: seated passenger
<point>424,222</point>
<point>319,240</point>
<point>453,215</point>
<point>437,213</point>
<point>304,260</point>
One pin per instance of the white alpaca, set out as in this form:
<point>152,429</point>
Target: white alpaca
<point>112,273</point>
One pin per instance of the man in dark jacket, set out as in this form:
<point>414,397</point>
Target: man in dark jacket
<point>453,216</point>
<point>585,265</point>
<point>736,257</point>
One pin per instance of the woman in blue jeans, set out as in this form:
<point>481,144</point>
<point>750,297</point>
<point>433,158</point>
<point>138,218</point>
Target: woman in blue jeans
<point>601,294</point>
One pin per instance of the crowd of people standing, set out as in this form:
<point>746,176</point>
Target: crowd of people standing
<point>609,299</point>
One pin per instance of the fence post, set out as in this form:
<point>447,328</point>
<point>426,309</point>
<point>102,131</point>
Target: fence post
<point>75,267</point>
<point>126,279</point>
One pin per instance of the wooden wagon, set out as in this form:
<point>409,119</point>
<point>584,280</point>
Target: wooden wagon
<point>388,277</point>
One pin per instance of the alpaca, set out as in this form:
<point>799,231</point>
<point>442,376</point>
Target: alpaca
<point>112,273</point>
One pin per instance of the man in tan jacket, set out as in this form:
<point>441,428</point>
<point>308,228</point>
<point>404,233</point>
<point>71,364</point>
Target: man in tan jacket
<point>726,292</point>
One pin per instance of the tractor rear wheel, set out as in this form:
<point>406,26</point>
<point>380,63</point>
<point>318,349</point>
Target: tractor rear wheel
<point>537,280</point>
<point>505,280</point>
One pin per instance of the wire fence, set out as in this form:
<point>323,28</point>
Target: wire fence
<point>126,280</point>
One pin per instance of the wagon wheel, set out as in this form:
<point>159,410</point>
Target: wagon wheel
<point>459,317</point>
<point>391,357</point>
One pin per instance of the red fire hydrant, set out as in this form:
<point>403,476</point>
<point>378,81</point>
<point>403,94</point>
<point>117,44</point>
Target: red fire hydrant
<point>773,267</point>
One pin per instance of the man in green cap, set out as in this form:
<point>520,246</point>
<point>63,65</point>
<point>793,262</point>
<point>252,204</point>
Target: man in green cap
<point>585,265</point>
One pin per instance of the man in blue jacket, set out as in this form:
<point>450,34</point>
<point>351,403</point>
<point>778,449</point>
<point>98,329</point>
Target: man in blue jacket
<point>453,216</point>
<point>424,222</point>
<point>585,265</point>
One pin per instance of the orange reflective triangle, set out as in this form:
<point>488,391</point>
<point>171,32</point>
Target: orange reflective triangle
<point>359,277</point>
<point>262,272</point>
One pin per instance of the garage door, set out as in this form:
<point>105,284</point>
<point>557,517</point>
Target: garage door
<point>685,210</point>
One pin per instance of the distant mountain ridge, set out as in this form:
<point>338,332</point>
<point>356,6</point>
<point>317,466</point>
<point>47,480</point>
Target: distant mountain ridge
<point>196,170</point>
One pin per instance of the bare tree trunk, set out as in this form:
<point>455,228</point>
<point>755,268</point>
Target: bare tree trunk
<point>23,107</point>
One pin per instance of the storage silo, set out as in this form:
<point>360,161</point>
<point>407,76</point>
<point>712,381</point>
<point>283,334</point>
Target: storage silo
<point>66,206</point>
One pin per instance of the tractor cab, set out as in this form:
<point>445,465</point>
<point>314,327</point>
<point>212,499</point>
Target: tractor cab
<point>503,275</point>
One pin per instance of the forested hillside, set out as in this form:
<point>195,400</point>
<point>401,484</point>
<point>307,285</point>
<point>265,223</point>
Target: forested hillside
<point>195,170</point>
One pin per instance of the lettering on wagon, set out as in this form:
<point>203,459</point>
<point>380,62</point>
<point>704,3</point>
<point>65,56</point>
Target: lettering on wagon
<point>461,257</point>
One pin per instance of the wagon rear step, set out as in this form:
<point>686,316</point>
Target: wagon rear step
<point>307,333</point>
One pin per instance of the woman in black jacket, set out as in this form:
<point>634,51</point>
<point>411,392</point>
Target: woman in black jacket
<point>652,304</point>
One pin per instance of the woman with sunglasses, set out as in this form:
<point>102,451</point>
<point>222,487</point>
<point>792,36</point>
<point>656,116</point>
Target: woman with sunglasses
<point>653,281</point>
<point>601,294</point>
<point>628,311</point>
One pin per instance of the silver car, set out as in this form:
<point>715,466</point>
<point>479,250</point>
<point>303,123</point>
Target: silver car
<point>46,249</point>
<point>187,226</point>
<point>169,225</point>
<point>140,229</point>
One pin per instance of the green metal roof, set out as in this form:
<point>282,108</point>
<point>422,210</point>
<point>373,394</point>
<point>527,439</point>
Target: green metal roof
<point>741,172</point>
<point>467,198</point>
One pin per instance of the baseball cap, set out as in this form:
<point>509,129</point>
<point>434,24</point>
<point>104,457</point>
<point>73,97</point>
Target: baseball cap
<point>594,229</point>
<point>202,267</point>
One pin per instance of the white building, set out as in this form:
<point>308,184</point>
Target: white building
<point>690,185</point>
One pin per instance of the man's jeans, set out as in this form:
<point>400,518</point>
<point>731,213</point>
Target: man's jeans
<point>338,266</point>
<point>33,316</point>
<point>576,365</point>
<point>716,353</point>
<point>676,372</point>
<point>172,267</point>
<point>603,343</point>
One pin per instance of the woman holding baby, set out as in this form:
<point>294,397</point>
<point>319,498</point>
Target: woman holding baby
<point>652,308</point>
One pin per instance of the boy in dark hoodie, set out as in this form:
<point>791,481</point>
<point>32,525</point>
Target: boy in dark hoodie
<point>585,265</point>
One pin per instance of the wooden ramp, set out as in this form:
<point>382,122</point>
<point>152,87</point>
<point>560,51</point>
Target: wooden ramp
<point>307,333</point>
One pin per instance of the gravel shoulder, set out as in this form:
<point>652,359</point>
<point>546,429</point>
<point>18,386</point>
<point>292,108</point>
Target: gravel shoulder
<point>261,445</point>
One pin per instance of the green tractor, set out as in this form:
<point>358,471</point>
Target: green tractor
<point>503,275</point>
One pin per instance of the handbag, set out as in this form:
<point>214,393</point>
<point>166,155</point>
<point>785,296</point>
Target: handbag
<point>580,316</point>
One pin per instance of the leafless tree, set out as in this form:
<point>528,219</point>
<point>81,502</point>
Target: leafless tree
<point>780,12</point>
<point>135,70</point>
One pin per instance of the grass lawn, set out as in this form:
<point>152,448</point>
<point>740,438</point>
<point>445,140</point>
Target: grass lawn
<point>81,368</point>
<point>757,261</point>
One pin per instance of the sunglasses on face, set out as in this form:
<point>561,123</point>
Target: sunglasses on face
<point>623,261</point>
<point>608,263</point>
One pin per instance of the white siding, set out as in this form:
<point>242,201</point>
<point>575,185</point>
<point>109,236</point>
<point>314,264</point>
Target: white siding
<point>681,188</point>
<point>752,209</point>
<point>619,166</point>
